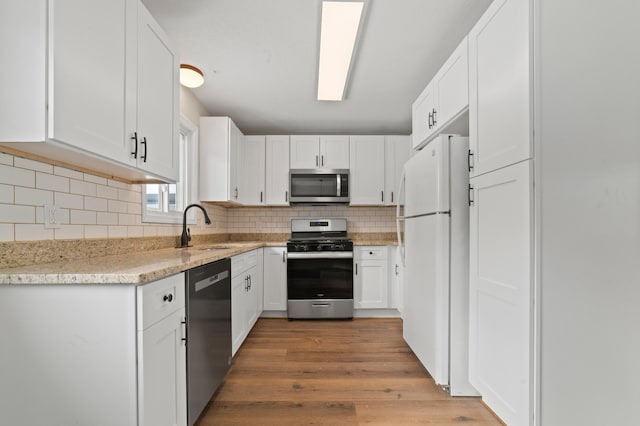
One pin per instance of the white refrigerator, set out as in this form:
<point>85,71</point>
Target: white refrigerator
<point>435,248</point>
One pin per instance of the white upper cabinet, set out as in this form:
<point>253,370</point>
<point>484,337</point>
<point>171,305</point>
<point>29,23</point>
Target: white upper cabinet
<point>220,159</point>
<point>366,171</point>
<point>499,87</point>
<point>87,89</point>
<point>252,186</point>
<point>397,150</point>
<point>277,171</point>
<point>313,152</point>
<point>157,100</point>
<point>444,99</point>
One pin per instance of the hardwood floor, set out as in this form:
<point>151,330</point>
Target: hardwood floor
<point>334,373</point>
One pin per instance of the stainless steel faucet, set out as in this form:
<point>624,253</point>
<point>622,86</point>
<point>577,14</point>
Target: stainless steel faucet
<point>186,233</point>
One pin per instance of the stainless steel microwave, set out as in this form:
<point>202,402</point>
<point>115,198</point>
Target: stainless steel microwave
<point>319,186</point>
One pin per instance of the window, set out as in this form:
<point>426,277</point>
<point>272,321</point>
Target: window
<point>164,202</point>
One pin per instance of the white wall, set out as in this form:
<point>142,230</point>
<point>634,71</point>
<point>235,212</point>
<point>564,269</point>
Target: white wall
<point>588,142</point>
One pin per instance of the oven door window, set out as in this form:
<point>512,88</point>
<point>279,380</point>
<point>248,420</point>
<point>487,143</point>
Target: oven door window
<point>319,279</point>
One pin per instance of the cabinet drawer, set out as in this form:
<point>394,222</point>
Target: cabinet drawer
<point>242,262</point>
<point>371,252</point>
<point>159,299</point>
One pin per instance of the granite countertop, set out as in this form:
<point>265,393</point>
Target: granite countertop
<point>142,266</point>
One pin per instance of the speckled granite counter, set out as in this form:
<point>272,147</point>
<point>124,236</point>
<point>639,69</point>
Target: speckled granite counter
<point>145,262</point>
<point>132,268</point>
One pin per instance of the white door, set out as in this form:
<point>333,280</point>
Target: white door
<point>88,74</point>
<point>499,86</point>
<point>162,373</point>
<point>427,179</point>
<point>304,152</point>
<point>277,171</point>
<point>334,152</point>
<point>422,115</point>
<point>452,84</point>
<point>366,171</point>
<point>253,171</point>
<point>500,326</point>
<point>158,102</point>
<point>251,310</point>
<point>275,279</point>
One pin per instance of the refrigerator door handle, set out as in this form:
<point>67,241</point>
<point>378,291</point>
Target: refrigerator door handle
<point>400,218</point>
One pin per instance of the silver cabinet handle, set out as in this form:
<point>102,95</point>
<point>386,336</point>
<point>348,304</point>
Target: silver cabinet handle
<point>322,162</point>
<point>260,196</point>
<point>356,269</point>
<point>286,196</point>
<point>284,256</point>
<point>382,196</point>
<point>144,142</point>
<point>317,161</point>
<point>134,138</point>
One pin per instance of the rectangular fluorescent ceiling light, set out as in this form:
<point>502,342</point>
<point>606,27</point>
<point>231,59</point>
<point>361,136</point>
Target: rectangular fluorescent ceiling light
<point>339,28</point>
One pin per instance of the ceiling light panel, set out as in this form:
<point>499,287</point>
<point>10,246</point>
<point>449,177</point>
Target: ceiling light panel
<point>339,29</point>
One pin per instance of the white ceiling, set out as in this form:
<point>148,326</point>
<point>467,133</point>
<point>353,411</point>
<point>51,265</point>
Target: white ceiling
<point>259,58</point>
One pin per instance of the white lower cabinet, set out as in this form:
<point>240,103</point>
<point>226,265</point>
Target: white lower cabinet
<point>275,279</point>
<point>93,354</point>
<point>246,296</point>
<point>371,279</point>
<point>500,302</point>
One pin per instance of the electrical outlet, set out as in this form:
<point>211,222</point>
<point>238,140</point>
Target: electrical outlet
<point>51,216</point>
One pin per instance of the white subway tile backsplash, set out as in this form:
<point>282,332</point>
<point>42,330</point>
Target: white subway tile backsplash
<point>32,232</point>
<point>52,182</point>
<point>135,231</point>
<point>107,192</point>
<point>117,206</point>
<point>83,217</point>
<point>7,232</point>
<point>98,204</point>
<point>150,231</point>
<point>10,213</point>
<point>104,218</point>
<point>126,219</point>
<point>63,171</point>
<point>6,194</point>
<point>16,176</point>
<point>117,184</point>
<point>32,197</point>
<point>82,188</point>
<point>130,196</point>
<point>117,231</point>
<point>134,208</point>
<point>69,232</point>
<point>71,201</point>
<point>96,231</point>
<point>6,159</point>
<point>95,179</point>
<point>25,163</point>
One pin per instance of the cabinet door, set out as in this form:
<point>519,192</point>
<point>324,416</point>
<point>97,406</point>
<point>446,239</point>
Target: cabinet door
<point>500,327</point>
<point>452,85</point>
<point>304,152</point>
<point>158,103</point>
<point>88,65</point>
<point>396,153</point>
<point>162,382</point>
<point>277,171</point>
<point>371,280</point>
<point>251,311</point>
<point>239,286</point>
<point>499,87</point>
<point>253,171</point>
<point>334,152</point>
<point>234,165</point>
<point>275,279</point>
<point>366,174</point>
<point>422,116</point>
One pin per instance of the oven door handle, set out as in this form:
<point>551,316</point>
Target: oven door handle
<point>321,255</point>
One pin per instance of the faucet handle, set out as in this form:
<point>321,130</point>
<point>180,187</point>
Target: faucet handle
<point>188,234</point>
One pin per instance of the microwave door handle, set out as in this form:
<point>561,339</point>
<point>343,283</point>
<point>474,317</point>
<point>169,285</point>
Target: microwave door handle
<point>338,186</point>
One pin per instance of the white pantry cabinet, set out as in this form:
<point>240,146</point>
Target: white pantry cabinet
<point>220,160</point>
<point>397,150</point>
<point>246,296</point>
<point>275,279</point>
<point>252,185</point>
<point>76,343</point>
<point>444,99</point>
<point>277,170</point>
<point>366,171</point>
<point>324,152</point>
<point>83,94</point>
<point>500,120</point>
<point>371,279</point>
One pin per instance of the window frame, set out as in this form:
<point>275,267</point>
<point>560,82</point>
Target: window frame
<point>187,183</point>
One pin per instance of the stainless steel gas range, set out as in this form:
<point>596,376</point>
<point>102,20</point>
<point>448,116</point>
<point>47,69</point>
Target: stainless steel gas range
<point>319,269</point>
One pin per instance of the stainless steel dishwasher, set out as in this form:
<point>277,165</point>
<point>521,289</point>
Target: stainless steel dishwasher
<point>208,333</point>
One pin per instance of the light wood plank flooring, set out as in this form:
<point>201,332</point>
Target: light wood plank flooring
<point>334,373</point>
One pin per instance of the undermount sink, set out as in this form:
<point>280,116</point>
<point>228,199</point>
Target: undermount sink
<point>212,248</point>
